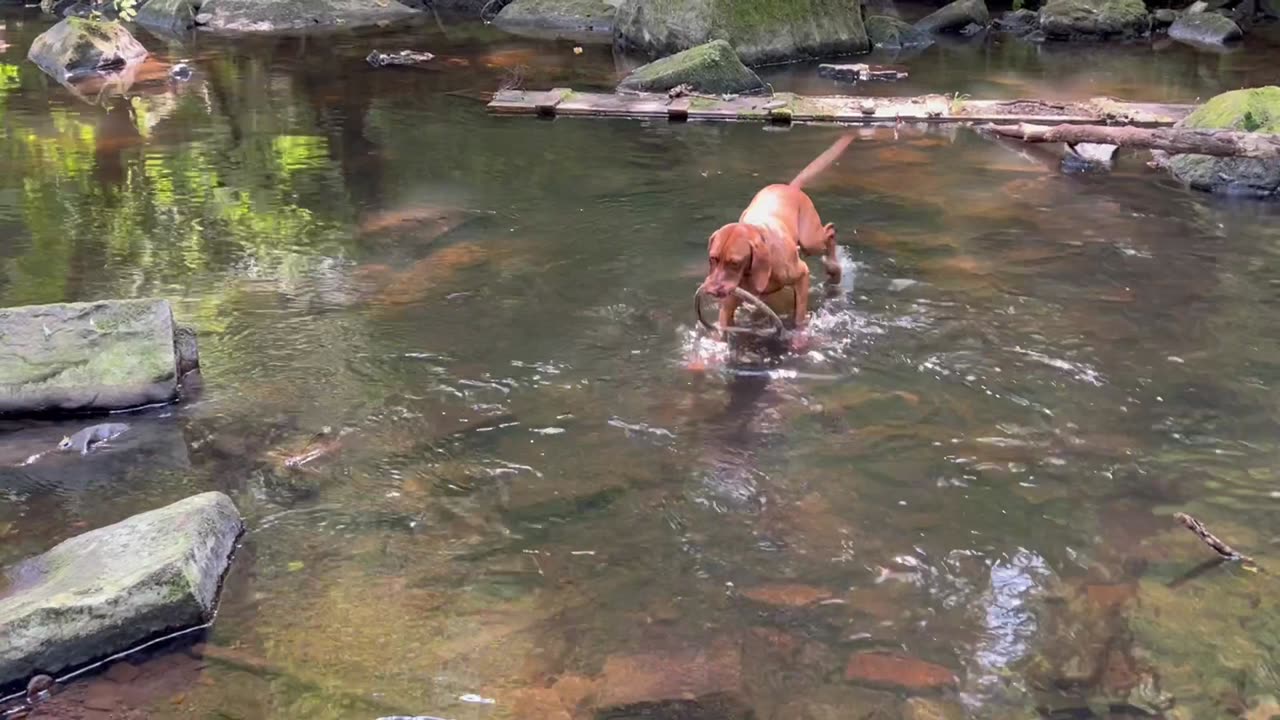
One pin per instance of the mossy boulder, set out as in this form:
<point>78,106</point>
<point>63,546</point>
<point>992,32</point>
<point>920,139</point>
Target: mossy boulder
<point>762,31</point>
<point>1087,19</point>
<point>1204,28</point>
<point>168,15</point>
<point>1248,110</point>
<point>572,19</point>
<point>710,68</point>
<point>893,34</point>
<point>111,588</point>
<point>267,16</point>
<point>84,357</point>
<point>954,17</point>
<point>76,49</point>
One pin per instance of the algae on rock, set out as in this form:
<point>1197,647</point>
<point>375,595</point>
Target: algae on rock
<point>1247,110</point>
<point>106,590</point>
<point>1068,19</point>
<point>710,68</point>
<point>76,357</point>
<point>762,31</point>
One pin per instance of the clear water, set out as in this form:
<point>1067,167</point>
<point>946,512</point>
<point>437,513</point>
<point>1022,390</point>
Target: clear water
<point>1023,375</point>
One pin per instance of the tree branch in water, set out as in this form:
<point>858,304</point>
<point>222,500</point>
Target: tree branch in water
<point>1211,540</point>
<point>1177,141</point>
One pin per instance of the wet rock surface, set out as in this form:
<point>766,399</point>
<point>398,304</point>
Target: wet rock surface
<point>710,68</point>
<point>1248,110</point>
<point>572,19</point>
<point>78,357</point>
<point>1205,28</point>
<point>108,589</point>
<point>1092,19</point>
<point>267,16</point>
<point>955,17</point>
<point>77,48</point>
<point>761,32</point>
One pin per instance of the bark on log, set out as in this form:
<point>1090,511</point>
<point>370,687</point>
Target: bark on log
<point>1176,141</point>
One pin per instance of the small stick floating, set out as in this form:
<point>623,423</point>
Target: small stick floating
<point>1212,540</point>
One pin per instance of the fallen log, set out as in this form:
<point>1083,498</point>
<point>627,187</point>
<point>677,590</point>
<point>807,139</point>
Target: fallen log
<point>1176,141</point>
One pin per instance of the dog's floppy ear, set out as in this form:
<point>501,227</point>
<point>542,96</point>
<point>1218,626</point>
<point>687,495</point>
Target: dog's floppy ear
<point>761,265</point>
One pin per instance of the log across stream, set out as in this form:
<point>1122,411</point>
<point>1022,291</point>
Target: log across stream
<point>847,109</point>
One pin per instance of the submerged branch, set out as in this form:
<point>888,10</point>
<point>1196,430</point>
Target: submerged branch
<point>1211,540</point>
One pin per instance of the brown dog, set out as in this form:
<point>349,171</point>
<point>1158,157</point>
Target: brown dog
<point>762,251</point>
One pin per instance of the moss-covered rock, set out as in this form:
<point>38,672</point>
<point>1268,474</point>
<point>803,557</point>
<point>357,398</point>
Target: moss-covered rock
<point>1070,19</point>
<point>1248,110</point>
<point>575,19</point>
<point>710,68</point>
<point>76,48</point>
<point>954,17</point>
<point>892,34</point>
<point>1204,28</point>
<point>79,357</point>
<point>255,16</point>
<point>762,31</point>
<point>168,15</point>
<point>109,589</point>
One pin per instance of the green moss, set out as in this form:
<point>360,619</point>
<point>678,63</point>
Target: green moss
<point>1248,110</point>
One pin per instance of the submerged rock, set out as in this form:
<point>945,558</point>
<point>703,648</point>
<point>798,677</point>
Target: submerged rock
<point>111,588</point>
<point>955,17</point>
<point>1204,28</point>
<point>684,683</point>
<point>252,16</point>
<point>762,31</point>
<point>578,19</point>
<point>1248,110</point>
<point>76,357</point>
<point>710,68</point>
<point>897,672</point>
<point>893,34</point>
<point>1072,19</point>
<point>76,49</point>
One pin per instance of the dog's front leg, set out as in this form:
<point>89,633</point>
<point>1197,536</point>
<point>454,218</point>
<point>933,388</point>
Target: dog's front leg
<point>728,307</point>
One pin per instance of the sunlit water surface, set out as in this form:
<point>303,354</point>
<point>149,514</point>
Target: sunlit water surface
<point>545,469</point>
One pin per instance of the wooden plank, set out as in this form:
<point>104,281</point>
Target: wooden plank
<point>548,103</point>
<point>845,109</point>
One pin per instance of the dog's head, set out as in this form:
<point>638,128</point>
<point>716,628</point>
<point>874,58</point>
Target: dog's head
<point>738,256</point>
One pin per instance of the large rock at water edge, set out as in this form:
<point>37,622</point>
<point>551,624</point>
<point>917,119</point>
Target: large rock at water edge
<point>168,15</point>
<point>762,31</point>
<point>257,16</point>
<point>710,68</point>
<point>80,357</point>
<point>1085,19</point>
<point>954,17</point>
<point>109,589</point>
<point>576,19</point>
<point>1204,28</point>
<point>893,34</point>
<point>1248,110</point>
<point>76,49</point>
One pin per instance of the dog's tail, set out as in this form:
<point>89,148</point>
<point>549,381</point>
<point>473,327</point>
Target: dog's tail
<point>823,161</point>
